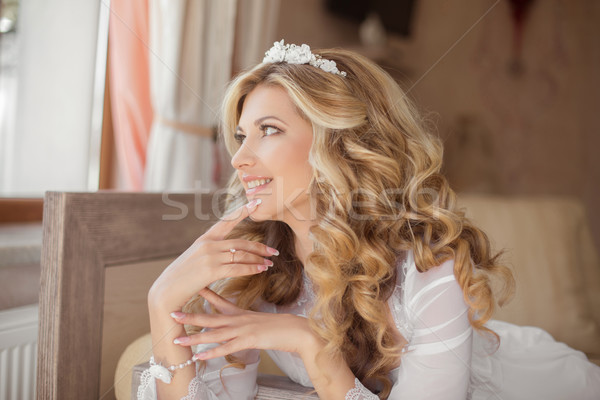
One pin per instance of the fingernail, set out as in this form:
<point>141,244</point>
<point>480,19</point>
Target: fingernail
<point>273,251</point>
<point>268,263</point>
<point>263,268</point>
<point>182,340</point>
<point>199,356</point>
<point>253,204</point>
<point>177,315</point>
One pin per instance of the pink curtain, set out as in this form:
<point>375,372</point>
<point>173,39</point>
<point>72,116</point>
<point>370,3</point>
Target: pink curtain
<point>130,89</point>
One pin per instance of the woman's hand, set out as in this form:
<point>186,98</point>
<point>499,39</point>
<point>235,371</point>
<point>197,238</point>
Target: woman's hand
<point>208,260</point>
<point>236,329</point>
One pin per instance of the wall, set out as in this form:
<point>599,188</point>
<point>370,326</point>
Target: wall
<point>533,133</point>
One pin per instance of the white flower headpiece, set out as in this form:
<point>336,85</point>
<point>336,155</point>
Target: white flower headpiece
<point>292,54</point>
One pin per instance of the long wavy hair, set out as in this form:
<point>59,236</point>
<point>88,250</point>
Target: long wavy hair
<point>378,192</point>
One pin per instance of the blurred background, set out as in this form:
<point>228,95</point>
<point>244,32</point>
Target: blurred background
<point>124,95</point>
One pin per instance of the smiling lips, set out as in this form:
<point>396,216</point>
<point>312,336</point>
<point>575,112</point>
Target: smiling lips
<point>257,184</point>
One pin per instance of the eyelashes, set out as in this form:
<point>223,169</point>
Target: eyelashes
<point>266,129</point>
<point>269,130</point>
<point>239,137</point>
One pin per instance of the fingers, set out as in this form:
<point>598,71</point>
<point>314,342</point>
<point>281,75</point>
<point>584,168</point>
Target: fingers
<point>248,258</point>
<point>242,257</point>
<point>233,270</point>
<point>212,321</point>
<point>224,329</point>
<point>229,343</point>
<point>219,230</point>
<point>249,246</point>
<point>223,305</point>
<point>220,351</point>
<point>206,337</point>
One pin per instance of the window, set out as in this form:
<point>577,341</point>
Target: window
<point>53,60</point>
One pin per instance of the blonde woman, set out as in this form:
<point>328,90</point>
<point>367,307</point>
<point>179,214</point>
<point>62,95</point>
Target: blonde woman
<point>343,254</point>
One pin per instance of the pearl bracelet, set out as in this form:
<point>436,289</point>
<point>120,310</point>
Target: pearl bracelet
<point>163,373</point>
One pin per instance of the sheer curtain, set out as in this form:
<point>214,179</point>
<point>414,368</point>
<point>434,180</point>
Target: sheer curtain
<point>191,61</point>
<point>191,46</point>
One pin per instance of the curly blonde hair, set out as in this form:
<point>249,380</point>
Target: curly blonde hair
<point>378,192</point>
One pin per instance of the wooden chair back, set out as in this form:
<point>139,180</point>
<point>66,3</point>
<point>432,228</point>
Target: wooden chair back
<point>101,252</point>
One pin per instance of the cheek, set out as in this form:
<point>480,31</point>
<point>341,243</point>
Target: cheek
<point>295,167</point>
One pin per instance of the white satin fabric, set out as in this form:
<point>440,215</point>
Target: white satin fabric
<point>443,359</point>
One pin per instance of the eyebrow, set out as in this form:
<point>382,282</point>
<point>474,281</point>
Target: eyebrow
<point>260,120</point>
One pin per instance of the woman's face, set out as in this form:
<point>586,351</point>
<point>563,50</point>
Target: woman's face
<point>272,162</point>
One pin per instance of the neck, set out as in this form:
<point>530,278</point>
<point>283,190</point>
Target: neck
<point>303,242</point>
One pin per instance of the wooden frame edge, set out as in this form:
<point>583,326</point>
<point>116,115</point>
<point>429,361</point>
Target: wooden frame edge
<point>85,233</point>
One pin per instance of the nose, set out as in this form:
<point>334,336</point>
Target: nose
<point>244,157</point>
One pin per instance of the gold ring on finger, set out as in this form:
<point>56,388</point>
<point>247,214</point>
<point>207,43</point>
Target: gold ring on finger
<point>232,251</point>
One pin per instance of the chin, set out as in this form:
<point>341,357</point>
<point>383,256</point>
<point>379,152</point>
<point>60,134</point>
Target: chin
<point>257,216</point>
<point>255,219</point>
<point>261,215</point>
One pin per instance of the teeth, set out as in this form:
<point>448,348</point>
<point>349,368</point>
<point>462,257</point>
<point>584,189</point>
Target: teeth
<point>258,182</point>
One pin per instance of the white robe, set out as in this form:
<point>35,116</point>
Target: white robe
<point>444,358</point>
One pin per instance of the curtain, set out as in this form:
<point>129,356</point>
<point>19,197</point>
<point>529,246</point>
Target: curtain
<point>190,64</point>
<point>191,61</point>
<point>130,89</point>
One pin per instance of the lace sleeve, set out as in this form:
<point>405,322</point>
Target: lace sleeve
<point>211,383</point>
<point>359,392</point>
<point>436,324</point>
<point>197,389</point>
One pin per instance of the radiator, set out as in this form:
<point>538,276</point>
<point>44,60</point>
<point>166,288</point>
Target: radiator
<point>18,350</point>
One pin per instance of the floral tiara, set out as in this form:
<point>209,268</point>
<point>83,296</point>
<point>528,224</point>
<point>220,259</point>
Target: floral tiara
<point>293,54</point>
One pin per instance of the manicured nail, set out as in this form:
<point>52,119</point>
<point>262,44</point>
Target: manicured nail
<point>273,251</point>
<point>177,315</point>
<point>200,356</point>
<point>268,263</point>
<point>253,204</point>
<point>182,340</point>
<point>263,268</point>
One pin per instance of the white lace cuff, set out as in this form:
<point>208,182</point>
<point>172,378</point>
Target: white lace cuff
<point>197,389</point>
<point>359,392</point>
<point>147,388</point>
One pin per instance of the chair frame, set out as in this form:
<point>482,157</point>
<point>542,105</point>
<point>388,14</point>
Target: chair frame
<point>84,234</point>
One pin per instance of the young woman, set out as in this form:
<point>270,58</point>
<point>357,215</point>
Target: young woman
<point>349,263</point>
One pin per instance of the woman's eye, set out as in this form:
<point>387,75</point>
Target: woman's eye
<point>239,137</point>
<point>270,130</point>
